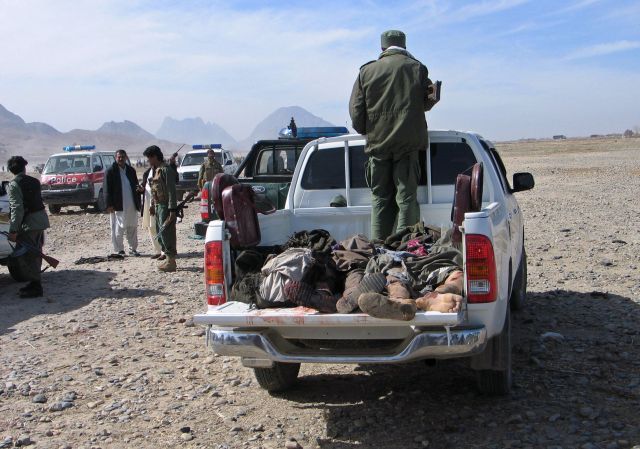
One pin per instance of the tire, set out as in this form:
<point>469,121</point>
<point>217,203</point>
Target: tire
<point>101,204</point>
<point>15,271</point>
<point>54,209</point>
<point>498,382</point>
<point>519,290</point>
<point>84,206</point>
<point>278,378</point>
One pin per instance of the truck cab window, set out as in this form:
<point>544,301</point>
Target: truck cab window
<point>448,159</point>
<point>324,170</point>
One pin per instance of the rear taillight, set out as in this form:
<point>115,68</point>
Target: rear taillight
<point>204,204</point>
<point>481,269</point>
<point>214,274</point>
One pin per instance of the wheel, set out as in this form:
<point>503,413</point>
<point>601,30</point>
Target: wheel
<point>519,290</point>
<point>498,382</point>
<point>15,271</point>
<point>54,208</point>
<point>278,378</point>
<point>101,204</point>
<point>84,206</point>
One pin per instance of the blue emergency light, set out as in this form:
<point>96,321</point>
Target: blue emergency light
<point>79,147</point>
<point>208,146</point>
<point>313,132</point>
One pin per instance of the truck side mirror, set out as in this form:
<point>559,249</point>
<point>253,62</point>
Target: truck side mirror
<point>522,182</point>
<point>228,162</point>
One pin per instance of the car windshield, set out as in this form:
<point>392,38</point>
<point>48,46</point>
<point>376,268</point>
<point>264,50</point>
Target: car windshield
<point>198,159</point>
<point>72,163</point>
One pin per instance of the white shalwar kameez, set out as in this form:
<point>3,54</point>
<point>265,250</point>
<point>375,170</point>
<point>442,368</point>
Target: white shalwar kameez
<point>148,220</point>
<point>126,220</point>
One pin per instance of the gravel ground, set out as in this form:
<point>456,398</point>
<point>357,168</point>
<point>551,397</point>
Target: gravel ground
<point>109,357</point>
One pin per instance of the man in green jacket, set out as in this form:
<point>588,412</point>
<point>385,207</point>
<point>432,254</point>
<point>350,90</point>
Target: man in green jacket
<point>388,104</point>
<point>163,205</point>
<point>209,169</point>
<point>27,224</point>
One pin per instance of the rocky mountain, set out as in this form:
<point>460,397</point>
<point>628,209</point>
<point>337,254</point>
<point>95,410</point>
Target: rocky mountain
<point>36,141</point>
<point>194,130</point>
<point>278,119</point>
<point>125,129</point>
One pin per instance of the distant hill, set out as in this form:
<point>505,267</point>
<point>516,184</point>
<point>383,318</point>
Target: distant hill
<point>193,131</point>
<point>36,141</point>
<point>125,129</point>
<point>278,119</point>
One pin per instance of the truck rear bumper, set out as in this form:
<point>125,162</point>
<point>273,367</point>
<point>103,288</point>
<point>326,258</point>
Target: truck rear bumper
<point>260,348</point>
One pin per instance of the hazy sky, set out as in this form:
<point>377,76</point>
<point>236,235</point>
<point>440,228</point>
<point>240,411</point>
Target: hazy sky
<point>510,68</point>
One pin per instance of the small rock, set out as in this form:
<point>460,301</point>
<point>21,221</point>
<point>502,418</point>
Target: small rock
<point>39,399</point>
<point>23,440</point>
<point>185,429</point>
<point>514,419</point>
<point>292,445</point>
<point>186,437</point>
<point>555,417</point>
<point>59,406</point>
<point>605,263</point>
<point>586,412</point>
<point>554,336</point>
<point>588,446</point>
<point>6,443</point>
<point>69,396</point>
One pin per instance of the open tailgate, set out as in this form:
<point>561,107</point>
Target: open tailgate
<point>238,314</point>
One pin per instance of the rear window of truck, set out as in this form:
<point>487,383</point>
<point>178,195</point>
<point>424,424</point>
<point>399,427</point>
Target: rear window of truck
<point>325,169</point>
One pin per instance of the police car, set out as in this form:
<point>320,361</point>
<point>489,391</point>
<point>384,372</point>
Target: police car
<point>75,177</point>
<point>190,165</point>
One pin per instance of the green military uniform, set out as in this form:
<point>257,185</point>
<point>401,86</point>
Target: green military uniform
<point>163,191</point>
<point>29,225</point>
<point>209,168</point>
<point>387,105</point>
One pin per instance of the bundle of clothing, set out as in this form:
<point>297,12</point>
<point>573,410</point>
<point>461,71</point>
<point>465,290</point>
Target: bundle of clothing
<point>416,268</point>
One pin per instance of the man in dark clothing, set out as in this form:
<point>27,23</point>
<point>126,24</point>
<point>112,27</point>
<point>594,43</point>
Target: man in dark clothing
<point>27,224</point>
<point>387,105</point>
<point>123,204</point>
<point>163,205</point>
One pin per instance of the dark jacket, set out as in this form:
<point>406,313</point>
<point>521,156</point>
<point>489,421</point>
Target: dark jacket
<point>25,205</point>
<point>387,104</point>
<point>114,186</point>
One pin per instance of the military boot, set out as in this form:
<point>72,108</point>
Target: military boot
<point>380,306</point>
<point>31,290</point>
<point>168,265</point>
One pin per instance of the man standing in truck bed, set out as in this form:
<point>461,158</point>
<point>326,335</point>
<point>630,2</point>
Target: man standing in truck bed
<point>209,169</point>
<point>387,105</point>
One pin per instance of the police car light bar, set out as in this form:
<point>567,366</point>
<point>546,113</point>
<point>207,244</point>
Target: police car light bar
<point>313,132</point>
<point>79,147</point>
<point>208,146</point>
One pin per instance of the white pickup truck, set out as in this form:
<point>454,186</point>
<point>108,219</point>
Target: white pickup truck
<point>274,342</point>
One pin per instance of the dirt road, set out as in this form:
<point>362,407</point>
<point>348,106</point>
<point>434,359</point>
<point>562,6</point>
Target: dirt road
<point>109,358</point>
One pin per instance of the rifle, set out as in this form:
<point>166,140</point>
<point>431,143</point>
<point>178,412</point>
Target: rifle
<point>175,154</point>
<point>23,247</point>
<point>182,205</point>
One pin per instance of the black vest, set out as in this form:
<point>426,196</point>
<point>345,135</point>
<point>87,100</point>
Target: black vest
<point>31,196</point>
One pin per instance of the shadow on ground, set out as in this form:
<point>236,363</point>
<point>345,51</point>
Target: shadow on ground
<point>576,388</point>
<point>64,291</point>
